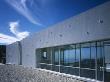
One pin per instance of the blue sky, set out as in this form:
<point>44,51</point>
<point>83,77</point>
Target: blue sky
<point>21,18</point>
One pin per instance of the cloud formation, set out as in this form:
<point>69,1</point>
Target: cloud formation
<point>21,7</point>
<point>14,28</point>
<point>5,39</point>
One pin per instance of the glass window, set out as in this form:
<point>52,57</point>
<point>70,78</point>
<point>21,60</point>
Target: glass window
<point>107,60</point>
<point>42,55</point>
<point>99,56</point>
<point>93,57</point>
<point>100,61</point>
<point>71,57</point>
<point>107,53</point>
<point>88,73</point>
<point>93,44</point>
<point>55,56</point>
<point>107,43</point>
<point>67,56</point>
<point>77,57</point>
<point>55,59</point>
<point>64,69</point>
<point>85,57</point>
<point>45,56</point>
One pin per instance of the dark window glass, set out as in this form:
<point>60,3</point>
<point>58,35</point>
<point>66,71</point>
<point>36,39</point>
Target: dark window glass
<point>87,73</point>
<point>107,43</point>
<point>55,57</point>
<point>100,57</point>
<point>2,54</point>
<point>55,68</point>
<point>100,75</point>
<point>100,65</point>
<point>43,66</point>
<point>46,56</point>
<point>46,66</point>
<point>73,71</point>
<point>64,69</point>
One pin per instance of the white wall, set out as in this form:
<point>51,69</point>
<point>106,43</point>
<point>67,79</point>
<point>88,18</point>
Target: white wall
<point>81,28</point>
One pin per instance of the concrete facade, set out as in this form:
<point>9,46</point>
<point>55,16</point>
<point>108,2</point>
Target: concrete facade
<point>13,54</point>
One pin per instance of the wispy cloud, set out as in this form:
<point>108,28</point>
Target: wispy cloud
<point>6,39</point>
<point>14,28</point>
<point>21,7</point>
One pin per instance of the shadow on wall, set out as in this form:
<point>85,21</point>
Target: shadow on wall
<point>2,54</point>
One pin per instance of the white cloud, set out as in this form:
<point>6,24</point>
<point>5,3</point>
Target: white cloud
<point>14,29</point>
<point>5,39</point>
<point>21,7</point>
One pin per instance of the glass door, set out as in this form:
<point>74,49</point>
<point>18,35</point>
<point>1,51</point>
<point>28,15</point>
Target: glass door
<point>100,61</point>
<point>107,60</point>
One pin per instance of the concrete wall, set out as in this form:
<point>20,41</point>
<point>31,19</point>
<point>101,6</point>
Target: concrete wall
<point>13,73</point>
<point>13,54</point>
<point>91,25</point>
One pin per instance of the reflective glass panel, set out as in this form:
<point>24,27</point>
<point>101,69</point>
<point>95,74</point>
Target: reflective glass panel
<point>77,57</point>
<point>85,57</point>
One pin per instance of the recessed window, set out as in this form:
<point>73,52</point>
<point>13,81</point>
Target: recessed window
<point>45,55</point>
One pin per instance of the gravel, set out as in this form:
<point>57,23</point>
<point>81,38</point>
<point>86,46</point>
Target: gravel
<point>14,73</point>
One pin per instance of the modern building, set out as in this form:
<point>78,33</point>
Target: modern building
<point>78,46</point>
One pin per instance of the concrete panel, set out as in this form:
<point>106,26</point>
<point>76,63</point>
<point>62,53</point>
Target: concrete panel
<point>12,54</point>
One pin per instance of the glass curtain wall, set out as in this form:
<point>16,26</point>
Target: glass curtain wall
<point>91,59</point>
<point>107,60</point>
<point>87,61</point>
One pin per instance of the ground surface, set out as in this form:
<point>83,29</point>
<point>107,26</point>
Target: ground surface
<point>13,73</point>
